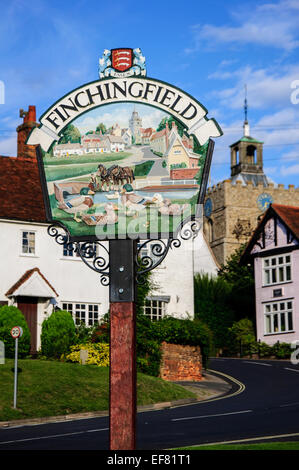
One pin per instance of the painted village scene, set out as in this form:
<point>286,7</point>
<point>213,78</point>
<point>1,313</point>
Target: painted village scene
<point>124,170</point>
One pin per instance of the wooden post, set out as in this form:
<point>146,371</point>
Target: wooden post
<point>122,408</point>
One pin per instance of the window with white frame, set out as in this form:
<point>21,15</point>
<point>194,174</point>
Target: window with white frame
<point>154,309</point>
<point>278,317</point>
<point>277,269</point>
<point>82,313</point>
<point>28,243</point>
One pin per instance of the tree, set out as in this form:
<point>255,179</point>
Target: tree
<point>241,279</point>
<point>211,306</point>
<point>70,134</point>
<point>101,128</point>
<point>170,120</point>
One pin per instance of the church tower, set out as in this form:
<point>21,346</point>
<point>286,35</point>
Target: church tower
<point>233,207</point>
<point>247,157</point>
<point>135,125</point>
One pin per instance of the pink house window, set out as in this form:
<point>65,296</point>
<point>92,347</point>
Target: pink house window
<point>278,317</point>
<point>277,269</point>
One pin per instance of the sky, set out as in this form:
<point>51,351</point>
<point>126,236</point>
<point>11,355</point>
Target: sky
<point>210,49</point>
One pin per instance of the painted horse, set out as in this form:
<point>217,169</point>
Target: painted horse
<point>104,177</point>
<point>121,175</point>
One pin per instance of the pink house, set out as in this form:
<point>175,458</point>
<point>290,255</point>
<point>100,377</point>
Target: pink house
<point>274,250</point>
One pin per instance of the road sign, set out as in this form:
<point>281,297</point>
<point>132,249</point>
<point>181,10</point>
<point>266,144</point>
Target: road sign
<point>16,332</point>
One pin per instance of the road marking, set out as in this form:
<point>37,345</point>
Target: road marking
<point>294,370</point>
<point>258,363</point>
<point>252,439</point>
<point>289,404</point>
<point>52,436</point>
<point>232,379</point>
<point>212,416</point>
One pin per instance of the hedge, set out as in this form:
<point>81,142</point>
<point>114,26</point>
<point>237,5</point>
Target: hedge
<point>11,316</point>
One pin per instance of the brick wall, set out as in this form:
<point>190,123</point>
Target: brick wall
<point>183,173</point>
<point>182,363</point>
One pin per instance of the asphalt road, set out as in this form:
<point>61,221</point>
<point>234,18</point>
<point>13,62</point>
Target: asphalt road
<point>266,405</point>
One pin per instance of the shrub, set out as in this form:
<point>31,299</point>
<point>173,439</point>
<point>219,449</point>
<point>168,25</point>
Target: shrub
<point>84,333</point>
<point>101,333</point>
<point>147,346</point>
<point>242,330</point>
<point>282,350</point>
<point>184,332</point>
<point>241,338</point>
<point>264,350</point>
<point>11,316</point>
<point>58,334</point>
<point>98,353</point>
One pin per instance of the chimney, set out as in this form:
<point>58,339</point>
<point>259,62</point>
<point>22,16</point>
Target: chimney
<point>29,122</point>
<point>166,134</point>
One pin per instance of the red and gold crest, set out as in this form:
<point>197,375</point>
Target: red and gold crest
<point>122,59</point>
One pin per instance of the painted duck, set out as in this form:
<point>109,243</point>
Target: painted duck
<point>109,217</point>
<point>78,205</point>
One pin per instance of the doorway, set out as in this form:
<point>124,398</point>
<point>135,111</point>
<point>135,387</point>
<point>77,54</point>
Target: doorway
<point>28,306</point>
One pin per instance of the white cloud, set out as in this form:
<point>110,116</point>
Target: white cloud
<point>273,25</point>
<point>266,87</point>
<point>290,170</point>
<point>292,155</point>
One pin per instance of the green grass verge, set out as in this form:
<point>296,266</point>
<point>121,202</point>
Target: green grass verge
<point>75,167</point>
<point>52,388</point>
<point>259,446</point>
<point>89,158</point>
<point>143,169</point>
<point>60,172</point>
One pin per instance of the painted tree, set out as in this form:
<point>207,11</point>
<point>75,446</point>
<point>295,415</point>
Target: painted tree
<point>101,128</point>
<point>70,134</point>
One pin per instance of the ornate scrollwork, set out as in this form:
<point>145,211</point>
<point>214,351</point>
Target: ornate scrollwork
<point>155,252</point>
<point>150,253</point>
<point>190,230</point>
<point>88,251</point>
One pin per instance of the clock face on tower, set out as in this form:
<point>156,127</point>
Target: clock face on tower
<point>263,201</point>
<point>208,207</point>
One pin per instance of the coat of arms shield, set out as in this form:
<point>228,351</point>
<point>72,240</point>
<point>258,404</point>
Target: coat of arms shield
<point>122,59</point>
